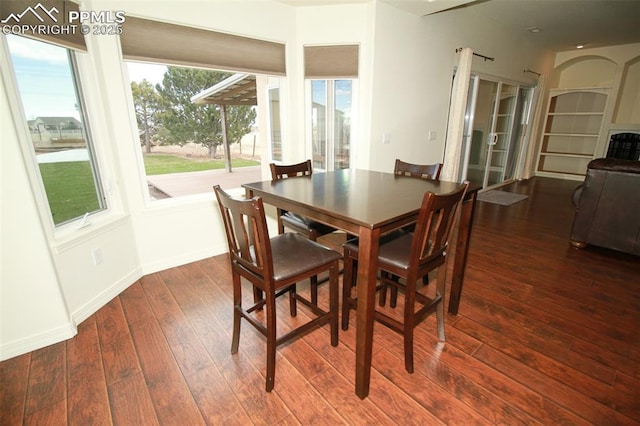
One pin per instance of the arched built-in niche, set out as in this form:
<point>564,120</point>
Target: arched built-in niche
<point>586,71</point>
<point>628,106</point>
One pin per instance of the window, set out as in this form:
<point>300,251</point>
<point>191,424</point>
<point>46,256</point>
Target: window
<point>331,115</point>
<point>182,128</point>
<point>202,51</point>
<point>52,101</point>
<point>275,132</point>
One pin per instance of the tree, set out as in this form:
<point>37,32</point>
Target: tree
<point>147,103</point>
<point>184,121</point>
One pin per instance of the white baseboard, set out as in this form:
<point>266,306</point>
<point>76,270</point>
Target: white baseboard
<point>161,265</point>
<point>105,297</point>
<point>37,341</point>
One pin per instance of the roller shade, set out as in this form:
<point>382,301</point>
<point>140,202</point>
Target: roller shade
<point>153,41</point>
<point>44,20</point>
<point>331,61</point>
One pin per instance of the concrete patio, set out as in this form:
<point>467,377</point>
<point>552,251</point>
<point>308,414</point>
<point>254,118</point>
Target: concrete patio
<point>179,184</point>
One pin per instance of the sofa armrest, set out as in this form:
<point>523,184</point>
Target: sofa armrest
<point>575,196</point>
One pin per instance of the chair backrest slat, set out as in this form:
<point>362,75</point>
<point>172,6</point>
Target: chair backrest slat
<point>434,225</point>
<point>247,233</point>
<point>285,171</point>
<point>428,171</point>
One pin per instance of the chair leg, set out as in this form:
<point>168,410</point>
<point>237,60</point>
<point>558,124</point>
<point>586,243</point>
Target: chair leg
<point>384,276</point>
<point>237,317</point>
<point>394,294</point>
<point>333,302</point>
<point>409,324</point>
<point>314,289</point>
<point>271,341</point>
<point>347,284</point>
<point>293,304</point>
<point>442,275</point>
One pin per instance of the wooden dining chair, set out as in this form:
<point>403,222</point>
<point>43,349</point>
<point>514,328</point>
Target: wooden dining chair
<point>423,171</point>
<point>429,171</point>
<point>410,256</point>
<point>274,265</point>
<point>298,223</point>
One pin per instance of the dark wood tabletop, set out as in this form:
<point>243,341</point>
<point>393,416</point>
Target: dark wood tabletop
<point>367,204</point>
<point>354,198</point>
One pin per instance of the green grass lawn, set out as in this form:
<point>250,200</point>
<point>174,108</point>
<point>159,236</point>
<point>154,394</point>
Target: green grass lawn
<point>160,164</point>
<point>71,191</point>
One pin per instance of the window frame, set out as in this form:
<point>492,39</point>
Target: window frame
<point>330,144</point>
<point>78,226</point>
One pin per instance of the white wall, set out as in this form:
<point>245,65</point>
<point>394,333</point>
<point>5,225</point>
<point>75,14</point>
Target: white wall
<point>32,308</point>
<point>414,61</point>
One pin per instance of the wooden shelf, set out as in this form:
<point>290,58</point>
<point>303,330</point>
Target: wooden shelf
<point>572,126</point>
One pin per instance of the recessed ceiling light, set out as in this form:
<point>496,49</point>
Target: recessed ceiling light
<point>579,46</point>
<point>534,30</point>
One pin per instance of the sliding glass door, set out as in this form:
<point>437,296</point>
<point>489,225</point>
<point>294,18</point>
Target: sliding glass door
<point>331,114</point>
<point>495,129</point>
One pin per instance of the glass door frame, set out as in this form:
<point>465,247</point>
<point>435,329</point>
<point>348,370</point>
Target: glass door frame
<point>520,139</point>
<point>330,144</point>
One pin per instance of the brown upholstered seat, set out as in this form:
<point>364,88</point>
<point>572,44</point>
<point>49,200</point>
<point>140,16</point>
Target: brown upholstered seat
<point>410,256</point>
<point>274,265</point>
<point>298,223</point>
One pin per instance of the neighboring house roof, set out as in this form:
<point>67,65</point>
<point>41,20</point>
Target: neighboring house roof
<point>54,121</point>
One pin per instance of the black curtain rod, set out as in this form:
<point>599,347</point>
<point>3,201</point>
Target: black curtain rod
<point>486,58</point>
<point>532,72</point>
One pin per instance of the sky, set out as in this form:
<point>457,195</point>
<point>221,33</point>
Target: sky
<point>44,78</point>
<point>139,71</point>
<point>45,82</point>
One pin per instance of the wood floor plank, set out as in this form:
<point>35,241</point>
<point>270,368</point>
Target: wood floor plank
<point>118,353</point>
<point>303,399</point>
<point>189,353</point>
<point>130,401</point>
<point>88,401</point>
<point>14,376</point>
<point>434,398</point>
<point>581,405</point>
<point>518,395</point>
<point>47,378</point>
<point>52,414</point>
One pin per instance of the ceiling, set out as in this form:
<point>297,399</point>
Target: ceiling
<point>563,24</point>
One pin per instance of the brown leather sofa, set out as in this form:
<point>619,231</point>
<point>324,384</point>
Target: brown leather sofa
<point>608,206</point>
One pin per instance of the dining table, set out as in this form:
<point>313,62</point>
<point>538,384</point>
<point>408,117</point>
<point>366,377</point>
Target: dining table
<point>368,204</point>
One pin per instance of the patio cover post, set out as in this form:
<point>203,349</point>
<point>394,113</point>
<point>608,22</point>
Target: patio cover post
<point>225,139</point>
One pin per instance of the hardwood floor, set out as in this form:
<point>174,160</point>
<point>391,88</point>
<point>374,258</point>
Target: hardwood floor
<point>546,334</point>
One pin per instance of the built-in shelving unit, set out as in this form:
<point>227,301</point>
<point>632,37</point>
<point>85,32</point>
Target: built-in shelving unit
<point>572,127</point>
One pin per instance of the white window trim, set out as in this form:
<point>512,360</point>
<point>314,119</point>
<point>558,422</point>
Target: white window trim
<point>69,233</point>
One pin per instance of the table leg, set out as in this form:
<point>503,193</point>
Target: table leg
<point>462,249</point>
<point>367,260</point>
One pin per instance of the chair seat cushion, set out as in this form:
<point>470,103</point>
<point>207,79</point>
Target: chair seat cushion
<point>395,248</point>
<point>293,254</point>
<point>304,223</point>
